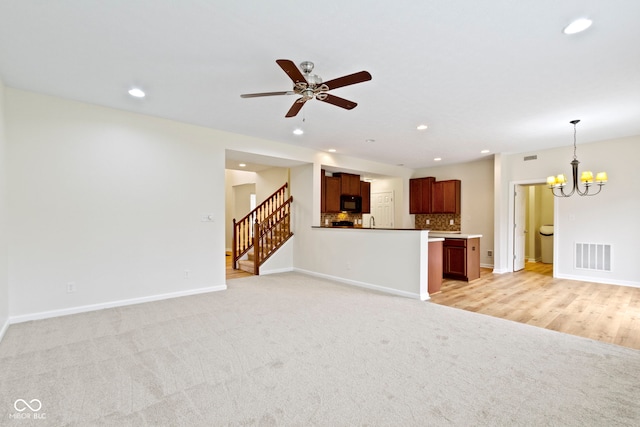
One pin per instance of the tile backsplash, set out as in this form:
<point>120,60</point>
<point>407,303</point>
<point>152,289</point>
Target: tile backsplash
<point>328,218</point>
<point>440,222</point>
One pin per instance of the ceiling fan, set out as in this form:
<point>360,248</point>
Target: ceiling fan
<point>310,86</point>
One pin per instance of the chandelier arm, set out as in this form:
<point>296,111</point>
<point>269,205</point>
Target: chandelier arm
<point>560,184</point>
<point>574,170</point>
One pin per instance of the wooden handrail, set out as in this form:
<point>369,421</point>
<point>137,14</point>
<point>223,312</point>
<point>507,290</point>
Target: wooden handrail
<point>243,230</point>
<point>270,234</point>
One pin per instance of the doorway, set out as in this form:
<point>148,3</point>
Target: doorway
<point>533,208</point>
<point>382,209</point>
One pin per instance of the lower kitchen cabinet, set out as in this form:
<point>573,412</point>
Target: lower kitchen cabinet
<point>461,259</point>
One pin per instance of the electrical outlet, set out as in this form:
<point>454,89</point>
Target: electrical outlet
<point>428,221</point>
<point>71,287</point>
<point>186,274</point>
<point>450,222</point>
<point>489,253</point>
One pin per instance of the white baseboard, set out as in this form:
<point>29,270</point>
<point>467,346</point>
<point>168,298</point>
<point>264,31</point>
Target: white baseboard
<point>364,285</point>
<point>486,265</point>
<point>275,271</point>
<point>598,280</point>
<point>111,304</point>
<point>4,329</point>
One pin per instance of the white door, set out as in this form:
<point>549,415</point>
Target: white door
<point>519,227</point>
<point>382,209</point>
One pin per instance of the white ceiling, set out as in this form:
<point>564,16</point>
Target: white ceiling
<point>492,74</point>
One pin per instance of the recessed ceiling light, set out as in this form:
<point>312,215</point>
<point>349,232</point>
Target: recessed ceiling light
<point>242,165</point>
<point>422,127</point>
<point>331,150</point>
<point>298,131</point>
<point>437,159</point>
<point>484,151</point>
<point>369,140</point>
<point>136,92</point>
<point>577,26</point>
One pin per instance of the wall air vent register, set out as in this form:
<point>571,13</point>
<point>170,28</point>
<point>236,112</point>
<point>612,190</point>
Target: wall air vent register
<point>593,256</point>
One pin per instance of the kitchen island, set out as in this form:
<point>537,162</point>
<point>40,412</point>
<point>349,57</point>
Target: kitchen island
<point>460,255</point>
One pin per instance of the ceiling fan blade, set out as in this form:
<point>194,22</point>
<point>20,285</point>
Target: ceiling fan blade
<point>255,95</point>
<point>336,100</point>
<point>351,79</point>
<point>296,107</point>
<point>292,70</point>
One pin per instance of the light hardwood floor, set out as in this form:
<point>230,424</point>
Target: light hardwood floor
<point>601,312</point>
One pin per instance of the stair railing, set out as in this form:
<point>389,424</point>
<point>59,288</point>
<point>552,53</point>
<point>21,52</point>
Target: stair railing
<point>243,230</point>
<point>270,234</point>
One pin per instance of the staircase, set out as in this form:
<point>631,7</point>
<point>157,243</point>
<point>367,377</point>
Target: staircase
<point>262,231</point>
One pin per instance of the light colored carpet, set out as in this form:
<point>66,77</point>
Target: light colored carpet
<point>290,349</point>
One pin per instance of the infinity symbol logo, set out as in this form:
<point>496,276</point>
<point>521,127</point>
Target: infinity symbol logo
<point>22,405</point>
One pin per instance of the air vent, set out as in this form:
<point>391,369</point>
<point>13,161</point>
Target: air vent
<point>534,157</point>
<point>593,256</point>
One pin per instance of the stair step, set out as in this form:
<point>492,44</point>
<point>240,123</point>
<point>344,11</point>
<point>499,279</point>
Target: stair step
<point>246,265</point>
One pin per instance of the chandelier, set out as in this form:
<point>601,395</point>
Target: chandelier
<point>558,183</point>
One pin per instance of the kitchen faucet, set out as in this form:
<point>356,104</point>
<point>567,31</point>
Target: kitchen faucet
<point>372,220</point>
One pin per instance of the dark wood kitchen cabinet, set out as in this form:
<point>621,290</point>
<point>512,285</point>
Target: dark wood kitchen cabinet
<point>445,196</point>
<point>365,193</point>
<point>435,267</point>
<point>420,195</point>
<point>349,184</point>
<point>329,194</point>
<point>461,259</point>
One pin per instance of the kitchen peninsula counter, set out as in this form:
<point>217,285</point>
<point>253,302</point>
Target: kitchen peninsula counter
<point>385,259</point>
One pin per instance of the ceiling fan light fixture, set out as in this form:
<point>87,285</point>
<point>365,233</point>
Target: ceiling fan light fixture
<point>577,26</point>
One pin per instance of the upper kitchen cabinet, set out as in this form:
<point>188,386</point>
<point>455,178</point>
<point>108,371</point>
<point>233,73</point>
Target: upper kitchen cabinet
<point>349,184</point>
<point>329,194</point>
<point>365,193</point>
<point>445,196</point>
<point>420,195</point>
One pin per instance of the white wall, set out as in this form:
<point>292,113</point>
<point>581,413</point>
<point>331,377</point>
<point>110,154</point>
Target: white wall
<point>111,202</point>
<point>477,202</point>
<point>4,279</point>
<point>268,181</point>
<point>610,217</point>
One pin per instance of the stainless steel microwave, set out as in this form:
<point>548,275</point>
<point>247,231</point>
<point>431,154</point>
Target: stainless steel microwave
<point>351,204</point>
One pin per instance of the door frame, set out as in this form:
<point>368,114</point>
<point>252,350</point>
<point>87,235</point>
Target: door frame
<point>510,228</point>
